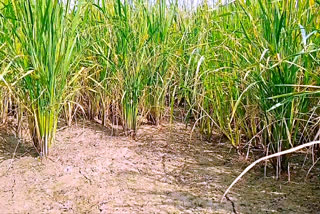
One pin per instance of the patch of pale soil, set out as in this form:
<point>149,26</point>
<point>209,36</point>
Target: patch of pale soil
<point>165,170</point>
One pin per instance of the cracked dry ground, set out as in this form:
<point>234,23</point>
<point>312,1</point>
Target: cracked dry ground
<point>162,171</point>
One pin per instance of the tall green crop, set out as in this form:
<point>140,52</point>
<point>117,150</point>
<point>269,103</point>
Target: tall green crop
<point>45,35</point>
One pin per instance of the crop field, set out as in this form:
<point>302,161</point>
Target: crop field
<point>152,101</point>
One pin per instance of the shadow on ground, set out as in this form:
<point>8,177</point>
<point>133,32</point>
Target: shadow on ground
<point>12,147</point>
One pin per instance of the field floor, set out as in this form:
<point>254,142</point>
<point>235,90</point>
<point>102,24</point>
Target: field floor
<point>164,170</point>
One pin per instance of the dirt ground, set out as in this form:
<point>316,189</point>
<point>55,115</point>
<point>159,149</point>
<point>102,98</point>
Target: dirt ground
<point>164,170</point>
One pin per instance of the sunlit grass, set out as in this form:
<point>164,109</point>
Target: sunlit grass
<point>239,70</point>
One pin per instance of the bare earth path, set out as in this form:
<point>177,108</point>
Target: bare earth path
<point>162,171</point>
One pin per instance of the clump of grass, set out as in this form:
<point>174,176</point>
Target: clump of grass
<point>44,40</point>
<point>246,70</point>
<point>283,64</point>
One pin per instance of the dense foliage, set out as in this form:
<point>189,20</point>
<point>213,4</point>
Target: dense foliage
<point>248,70</point>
